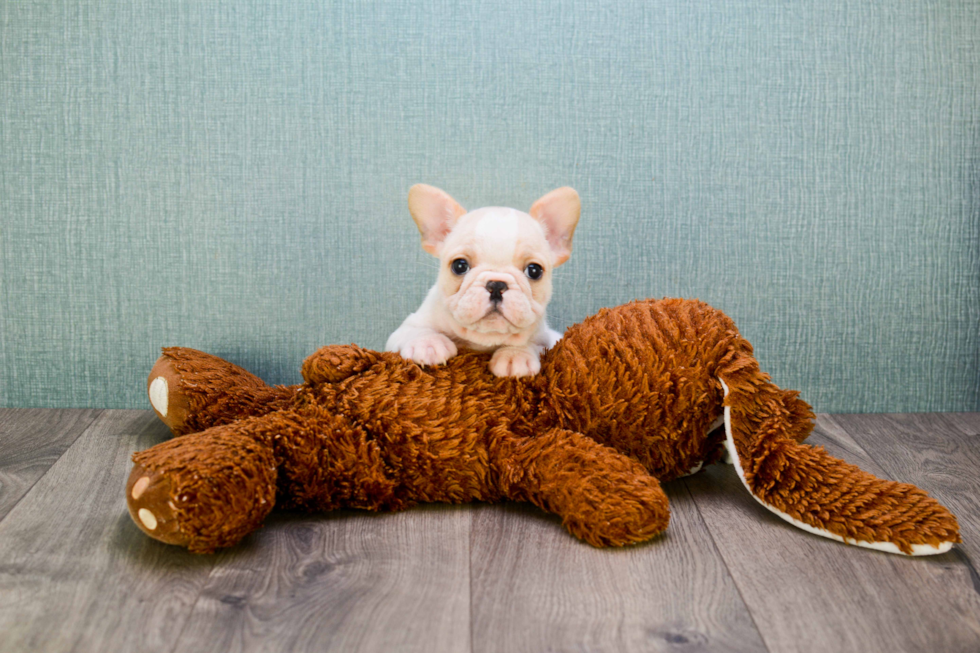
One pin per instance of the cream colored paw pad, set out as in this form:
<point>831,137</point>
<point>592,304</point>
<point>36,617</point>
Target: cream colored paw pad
<point>159,395</point>
<point>139,487</point>
<point>148,518</point>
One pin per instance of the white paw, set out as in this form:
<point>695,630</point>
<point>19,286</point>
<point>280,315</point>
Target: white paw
<point>435,349</point>
<point>511,361</point>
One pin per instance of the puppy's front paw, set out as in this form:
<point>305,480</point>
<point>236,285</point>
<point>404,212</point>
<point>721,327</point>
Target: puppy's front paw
<point>433,349</point>
<point>514,361</point>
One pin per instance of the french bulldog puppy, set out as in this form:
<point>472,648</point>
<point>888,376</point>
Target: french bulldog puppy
<point>495,267</point>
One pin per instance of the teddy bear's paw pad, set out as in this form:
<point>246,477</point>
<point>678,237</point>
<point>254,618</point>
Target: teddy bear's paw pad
<point>159,395</point>
<point>163,387</point>
<point>150,506</point>
<point>508,361</point>
<point>435,349</point>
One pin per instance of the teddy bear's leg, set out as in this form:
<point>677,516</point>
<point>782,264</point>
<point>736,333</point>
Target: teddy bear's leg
<point>207,490</point>
<point>602,496</point>
<point>821,494</point>
<point>192,391</point>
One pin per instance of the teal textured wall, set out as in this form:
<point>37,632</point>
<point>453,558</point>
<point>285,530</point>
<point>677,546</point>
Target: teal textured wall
<point>232,176</point>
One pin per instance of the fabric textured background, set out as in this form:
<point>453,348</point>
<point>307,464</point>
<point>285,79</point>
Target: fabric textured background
<point>232,176</point>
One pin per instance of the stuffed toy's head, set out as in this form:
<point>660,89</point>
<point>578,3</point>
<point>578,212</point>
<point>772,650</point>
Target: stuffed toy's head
<point>631,397</point>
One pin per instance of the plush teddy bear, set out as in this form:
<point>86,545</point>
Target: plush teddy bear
<point>631,397</point>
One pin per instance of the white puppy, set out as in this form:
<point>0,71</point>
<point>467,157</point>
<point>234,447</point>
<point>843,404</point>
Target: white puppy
<point>494,281</point>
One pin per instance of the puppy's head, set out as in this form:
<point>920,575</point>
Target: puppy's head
<point>495,264</point>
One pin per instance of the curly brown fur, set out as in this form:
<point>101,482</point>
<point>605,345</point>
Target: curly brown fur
<point>625,400</point>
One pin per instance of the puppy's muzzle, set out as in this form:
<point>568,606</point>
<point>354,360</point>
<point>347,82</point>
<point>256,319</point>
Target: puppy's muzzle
<point>496,290</point>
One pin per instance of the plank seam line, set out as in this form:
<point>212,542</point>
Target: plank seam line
<point>965,559</point>
<point>469,576</point>
<point>82,431</point>
<point>957,551</point>
<point>193,608</point>
<point>721,556</point>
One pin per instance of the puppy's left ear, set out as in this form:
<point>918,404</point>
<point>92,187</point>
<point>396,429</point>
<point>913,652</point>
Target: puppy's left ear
<point>558,213</point>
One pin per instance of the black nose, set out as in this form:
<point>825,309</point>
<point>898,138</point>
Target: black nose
<point>496,290</point>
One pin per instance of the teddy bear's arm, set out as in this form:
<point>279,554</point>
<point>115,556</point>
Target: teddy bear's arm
<point>334,363</point>
<point>192,391</point>
<point>602,496</point>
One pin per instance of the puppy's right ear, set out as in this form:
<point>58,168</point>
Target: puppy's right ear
<point>435,213</point>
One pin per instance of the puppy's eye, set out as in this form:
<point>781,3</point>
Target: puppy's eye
<point>534,271</point>
<point>460,266</point>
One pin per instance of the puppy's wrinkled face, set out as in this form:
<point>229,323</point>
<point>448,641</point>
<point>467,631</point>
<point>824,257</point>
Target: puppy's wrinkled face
<point>495,263</point>
<point>495,274</point>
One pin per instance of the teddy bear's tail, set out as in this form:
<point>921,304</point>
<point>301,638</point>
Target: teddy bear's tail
<point>817,492</point>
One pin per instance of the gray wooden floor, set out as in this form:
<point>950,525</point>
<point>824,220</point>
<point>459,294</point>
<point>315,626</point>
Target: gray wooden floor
<point>75,574</point>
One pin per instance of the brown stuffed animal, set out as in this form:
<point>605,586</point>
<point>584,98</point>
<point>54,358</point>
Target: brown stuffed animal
<point>629,398</point>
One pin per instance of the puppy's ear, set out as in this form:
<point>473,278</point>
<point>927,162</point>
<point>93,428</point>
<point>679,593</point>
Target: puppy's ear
<point>558,213</point>
<point>435,213</point>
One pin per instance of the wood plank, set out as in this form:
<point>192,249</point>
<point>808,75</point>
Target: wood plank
<point>31,440</point>
<point>75,573</point>
<point>968,423</point>
<point>346,581</point>
<point>536,588</point>
<point>807,593</point>
<point>938,452</point>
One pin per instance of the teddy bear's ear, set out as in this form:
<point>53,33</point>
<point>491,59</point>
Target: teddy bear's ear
<point>335,363</point>
<point>435,213</point>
